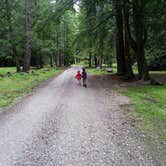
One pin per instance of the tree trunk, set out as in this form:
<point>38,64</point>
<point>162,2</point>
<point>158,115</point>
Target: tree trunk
<point>51,61</point>
<point>101,48</point>
<point>128,67</point>
<point>37,60</point>
<point>10,31</point>
<point>119,39</point>
<point>139,26</point>
<point>18,68</point>
<point>65,48</point>
<point>58,59</point>
<point>27,56</point>
<point>100,60</point>
<point>91,8</point>
<point>90,59</point>
<point>34,21</point>
<point>95,59</point>
<point>41,62</point>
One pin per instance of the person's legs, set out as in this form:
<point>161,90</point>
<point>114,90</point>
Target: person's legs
<point>79,82</point>
<point>84,82</point>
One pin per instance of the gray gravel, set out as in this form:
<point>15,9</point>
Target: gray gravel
<point>64,124</point>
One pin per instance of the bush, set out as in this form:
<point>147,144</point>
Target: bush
<point>159,63</point>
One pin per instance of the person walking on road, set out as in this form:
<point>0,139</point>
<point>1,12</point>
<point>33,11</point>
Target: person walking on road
<point>84,77</point>
<point>78,77</point>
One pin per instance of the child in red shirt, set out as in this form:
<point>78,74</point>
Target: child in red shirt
<point>78,76</point>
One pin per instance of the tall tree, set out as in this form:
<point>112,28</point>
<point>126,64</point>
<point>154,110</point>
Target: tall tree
<point>119,38</point>
<point>58,51</point>
<point>27,56</point>
<point>10,35</point>
<point>140,35</point>
<point>90,7</point>
<point>128,67</point>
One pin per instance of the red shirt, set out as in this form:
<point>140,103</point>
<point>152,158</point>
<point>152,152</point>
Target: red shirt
<point>78,76</point>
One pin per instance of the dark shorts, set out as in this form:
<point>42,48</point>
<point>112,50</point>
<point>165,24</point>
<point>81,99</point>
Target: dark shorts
<point>84,81</point>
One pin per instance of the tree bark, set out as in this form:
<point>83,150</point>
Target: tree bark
<point>91,13</point>
<point>41,62</point>
<point>95,59</point>
<point>27,56</point>
<point>119,39</point>
<point>90,59</point>
<point>18,67</point>
<point>100,60</point>
<point>139,26</point>
<point>128,67</point>
<point>34,21</point>
<point>37,60</point>
<point>10,31</point>
<point>51,61</point>
<point>58,59</point>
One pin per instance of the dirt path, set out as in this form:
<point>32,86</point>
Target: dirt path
<point>64,124</point>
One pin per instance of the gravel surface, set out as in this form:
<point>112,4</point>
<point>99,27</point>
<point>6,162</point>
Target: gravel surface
<point>64,124</point>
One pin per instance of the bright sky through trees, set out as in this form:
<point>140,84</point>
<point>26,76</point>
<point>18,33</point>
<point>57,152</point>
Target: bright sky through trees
<point>76,5</point>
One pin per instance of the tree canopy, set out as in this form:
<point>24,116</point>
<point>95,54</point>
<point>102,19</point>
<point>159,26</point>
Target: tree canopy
<point>59,32</point>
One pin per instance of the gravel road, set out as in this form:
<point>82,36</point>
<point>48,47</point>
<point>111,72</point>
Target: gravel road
<point>64,124</point>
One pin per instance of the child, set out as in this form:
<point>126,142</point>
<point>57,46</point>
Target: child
<point>78,76</point>
<point>84,77</point>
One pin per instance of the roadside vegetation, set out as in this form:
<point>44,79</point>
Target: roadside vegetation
<point>6,70</point>
<point>127,35</point>
<point>15,85</point>
<point>150,105</point>
<point>150,115</point>
<point>149,112</point>
<point>97,71</point>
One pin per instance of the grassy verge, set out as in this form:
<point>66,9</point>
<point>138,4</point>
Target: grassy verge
<point>150,115</point>
<point>150,105</point>
<point>95,71</point>
<point>17,85</point>
<point>158,72</point>
<point>102,71</point>
<point>5,70</point>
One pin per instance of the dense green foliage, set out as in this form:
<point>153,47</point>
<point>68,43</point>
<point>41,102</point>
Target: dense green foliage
<point>99,31</point>
<point>155,48</point>
<point>52,31</point>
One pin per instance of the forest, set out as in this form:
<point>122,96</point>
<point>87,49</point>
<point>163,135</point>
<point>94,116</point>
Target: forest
<point>130,33</point>
<point>83,82</point>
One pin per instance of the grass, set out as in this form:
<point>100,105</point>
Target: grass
<point>95,71</point>
<point>82,63</point>
<point>102,71</point>
<point>15,86</point>
<point>158,72</point>
<point>150,105</point>
<point>4,70</point>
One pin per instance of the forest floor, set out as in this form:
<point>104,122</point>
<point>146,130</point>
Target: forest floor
<point>62,123</point>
